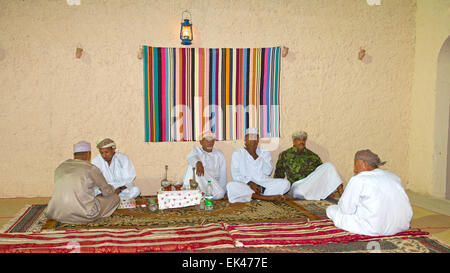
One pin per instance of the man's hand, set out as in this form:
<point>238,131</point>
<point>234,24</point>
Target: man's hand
<point>120,189</point>
<point>200,171</point>
<point>254,187</point>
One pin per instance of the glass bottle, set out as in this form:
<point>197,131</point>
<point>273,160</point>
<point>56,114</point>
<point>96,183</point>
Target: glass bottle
<point>164,182</point>
<point>192,183</point>
<point>209,203</point>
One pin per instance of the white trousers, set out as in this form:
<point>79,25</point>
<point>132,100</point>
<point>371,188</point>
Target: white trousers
<point>332,211</point>
<point>318,185</point>
<point>130,193</point>
<point>240,192</point>
<point>218,191</point>
<point>350,222</point>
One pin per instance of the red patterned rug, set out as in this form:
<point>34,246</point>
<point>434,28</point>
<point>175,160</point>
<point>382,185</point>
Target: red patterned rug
<point>313,236</point>
<point>300,233</point>
<point>209,236</point>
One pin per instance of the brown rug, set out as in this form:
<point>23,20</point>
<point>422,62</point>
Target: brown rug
<point>252,212</point>
<point>33,219</point>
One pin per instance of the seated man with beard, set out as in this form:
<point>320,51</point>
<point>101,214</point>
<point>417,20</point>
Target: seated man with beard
<point>209,164</point>
<point>311,179</point>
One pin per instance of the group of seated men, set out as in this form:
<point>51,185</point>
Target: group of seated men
<point>374,202</point>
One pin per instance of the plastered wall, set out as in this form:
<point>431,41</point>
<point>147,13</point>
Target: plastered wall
<point>430,102</point>
<point>50,99</point>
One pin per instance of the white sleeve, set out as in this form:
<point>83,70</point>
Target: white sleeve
<point>350,198</point>
<point>193,157</point>
<point>96,161</point>
<point>222,171</point>
<point>267,166</point>
<point>128,172</point>
<point>236,163</point>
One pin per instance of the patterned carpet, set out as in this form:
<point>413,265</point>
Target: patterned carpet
<point>116,241</point>
<point>300,233</point>
<point>34,220</point>
<point>255,227</point>
<point>419,244</point>
<point>317,236</point>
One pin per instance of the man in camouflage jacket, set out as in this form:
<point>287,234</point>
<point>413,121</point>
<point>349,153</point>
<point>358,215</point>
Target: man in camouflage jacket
<point>310,178</point>
<point>296,164</point>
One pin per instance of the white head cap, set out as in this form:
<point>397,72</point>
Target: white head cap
<point>251,131</point>
<point>301,134</point>
<point>82,146</point>
<point>106,143</point>
<point>208,135</point>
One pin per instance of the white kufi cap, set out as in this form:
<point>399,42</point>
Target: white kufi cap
<point>208,135</point>
<point>81,147</point>
<point>251,131</point>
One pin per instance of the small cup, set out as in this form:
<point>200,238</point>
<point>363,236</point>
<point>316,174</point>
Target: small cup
<point>178,185</point>
<point>153,207</point>
<point>167,186</point>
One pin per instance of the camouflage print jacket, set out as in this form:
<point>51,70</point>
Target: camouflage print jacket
<point>295,165</point>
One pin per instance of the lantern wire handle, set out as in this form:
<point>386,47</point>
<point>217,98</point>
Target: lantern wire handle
<point>190,16</point>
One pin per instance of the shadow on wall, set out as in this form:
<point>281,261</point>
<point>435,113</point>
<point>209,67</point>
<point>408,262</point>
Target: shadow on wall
<point>321,151</point>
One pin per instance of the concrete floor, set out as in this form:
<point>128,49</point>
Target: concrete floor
<point>430,214</point>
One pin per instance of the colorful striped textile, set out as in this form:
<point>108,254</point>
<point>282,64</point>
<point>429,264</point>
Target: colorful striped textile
<point>118,240</point>
<point>299,233</point>
<point>225,90</point>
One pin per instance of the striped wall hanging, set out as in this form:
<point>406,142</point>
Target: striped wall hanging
<point>225,90</point>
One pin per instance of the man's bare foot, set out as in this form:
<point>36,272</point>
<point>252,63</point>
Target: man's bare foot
<point>340,190</point>
<point>276,198</point>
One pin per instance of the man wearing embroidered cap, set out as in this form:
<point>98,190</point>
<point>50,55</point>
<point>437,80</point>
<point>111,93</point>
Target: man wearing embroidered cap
<point>374,202</point>
<point>209,164</point>
<point>251,168</point>
<point>311,180</point>
<point>73,199</point>
<point>117,169</point>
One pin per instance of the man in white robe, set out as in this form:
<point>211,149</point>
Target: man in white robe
<point>73,200</point>
<point>209,164</point>
<point>374,202</point>
<point>117,169</point>
<point>251,167</point>
<point>311,179</point>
